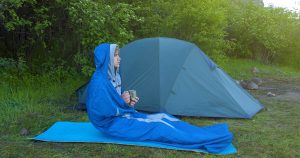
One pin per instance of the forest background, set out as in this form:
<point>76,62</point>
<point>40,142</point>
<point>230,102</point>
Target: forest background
<point>41,36</point>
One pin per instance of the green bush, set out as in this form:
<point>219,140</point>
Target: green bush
<point>43,31</point>
<point>200,22</point>
<point>263,34</point>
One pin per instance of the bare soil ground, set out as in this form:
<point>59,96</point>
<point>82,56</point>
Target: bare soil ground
<point>285,90</point>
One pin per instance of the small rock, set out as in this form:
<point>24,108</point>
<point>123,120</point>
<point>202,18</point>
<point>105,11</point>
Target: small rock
<point>244,83</point>
<point>24,132</point>
<point>257,80</point>
<point>255,70</point>
<point>251,85</point>
<point>237,82</point>
<point>270,94</point>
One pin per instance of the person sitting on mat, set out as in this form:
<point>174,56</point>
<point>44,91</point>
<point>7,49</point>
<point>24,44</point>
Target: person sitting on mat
<point>113,113</point>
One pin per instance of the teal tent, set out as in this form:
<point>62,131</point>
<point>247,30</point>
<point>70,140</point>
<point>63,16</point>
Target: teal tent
<point>176,77</point>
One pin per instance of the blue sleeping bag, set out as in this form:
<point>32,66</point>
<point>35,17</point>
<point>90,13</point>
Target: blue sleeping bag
<point>109,113</point>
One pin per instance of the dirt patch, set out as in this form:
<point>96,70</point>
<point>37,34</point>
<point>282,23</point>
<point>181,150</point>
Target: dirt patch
<point>287,90</point>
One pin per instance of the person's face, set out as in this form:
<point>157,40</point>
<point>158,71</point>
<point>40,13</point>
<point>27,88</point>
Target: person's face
<point>117,58</point>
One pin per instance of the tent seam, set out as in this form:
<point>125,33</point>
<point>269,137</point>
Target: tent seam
<point>230,94</point>
<point>184,61</point>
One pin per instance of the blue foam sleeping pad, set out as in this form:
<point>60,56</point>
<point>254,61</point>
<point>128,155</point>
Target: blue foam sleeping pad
<point>87,133</point>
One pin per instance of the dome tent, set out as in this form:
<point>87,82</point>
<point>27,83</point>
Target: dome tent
<point>176,77</point>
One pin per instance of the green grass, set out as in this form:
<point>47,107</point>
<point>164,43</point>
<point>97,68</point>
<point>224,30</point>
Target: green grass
<point>242,69</point>
<point>36,102</point>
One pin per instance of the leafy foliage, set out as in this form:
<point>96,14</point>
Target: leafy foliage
<point>260,33</point>
<point>97,22</point>
<point>43,31</point>
<point>40,31</point>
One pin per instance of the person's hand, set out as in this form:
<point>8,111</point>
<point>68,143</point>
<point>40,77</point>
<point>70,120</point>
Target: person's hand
<point>133,101</point>
<point>126,97</point>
